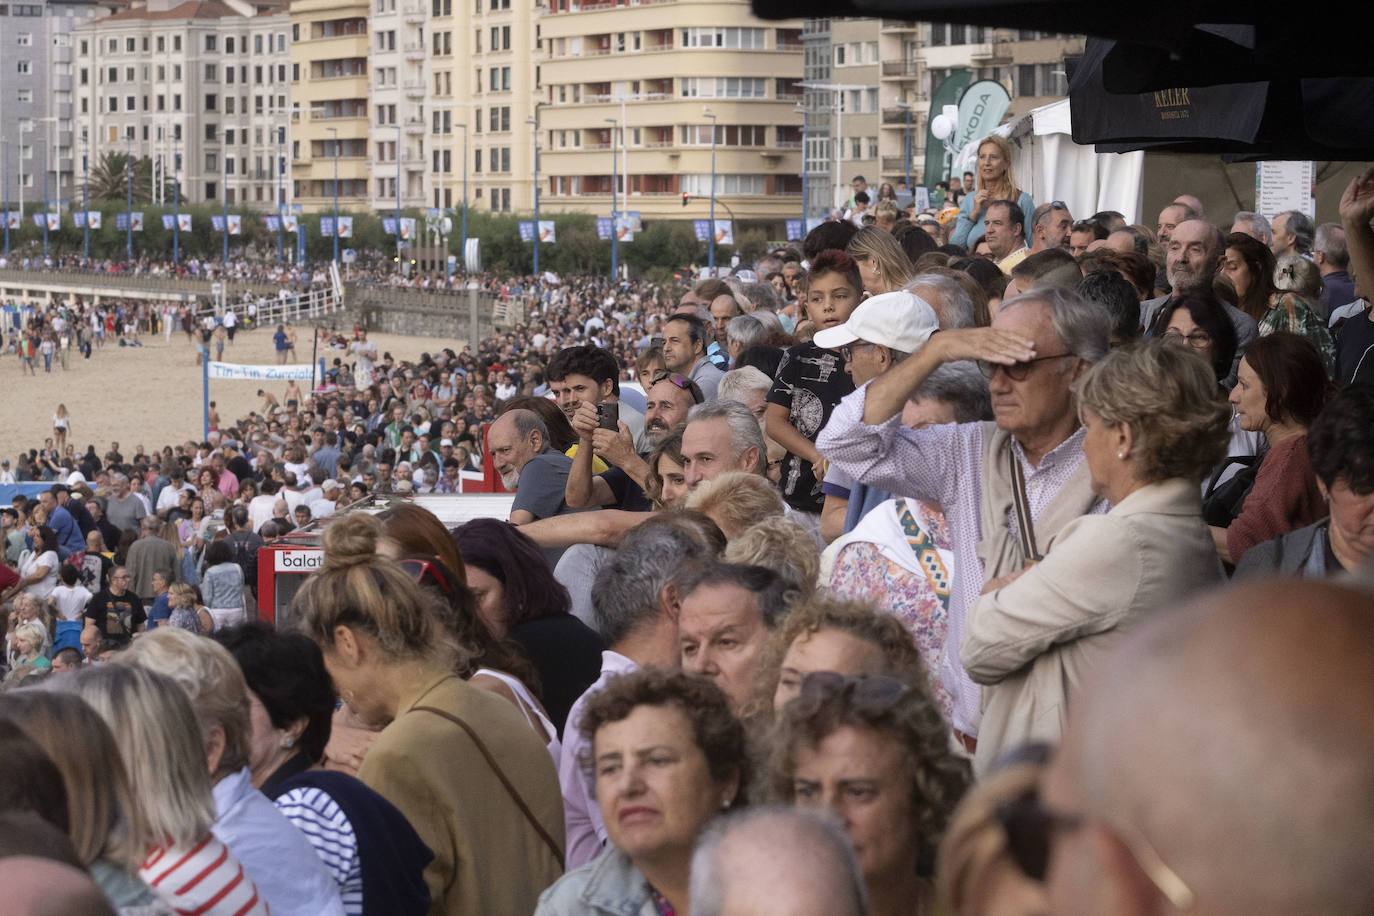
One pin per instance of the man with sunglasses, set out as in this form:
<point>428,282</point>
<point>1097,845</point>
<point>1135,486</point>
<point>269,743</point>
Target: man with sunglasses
<point>1220,764</point>
<point>972,469</point>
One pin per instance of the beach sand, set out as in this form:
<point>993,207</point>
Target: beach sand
<point>151,395</point>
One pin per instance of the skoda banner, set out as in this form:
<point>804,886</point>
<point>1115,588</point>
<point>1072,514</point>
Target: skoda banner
<point>947,93</point>
<point>980,110</point>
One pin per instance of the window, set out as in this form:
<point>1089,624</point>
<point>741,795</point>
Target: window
<point>229,45</point>
<point>129,74</point>
<point>130,103</point>
<point>257,44</point>
<point>700,185</point>
<point>726,87</point>
<point>871,100</point>
<point>24,67</point>
<point>505,192</point>
<point>211,133</point>
<point>176,102</point>
<point>1025,79</point>
<point>161,73</point>
<point>210,41</point>
<point>872,147</point>
<point>161,44</point>
<point>130,46</point>
<point>839,55</point>
<point>717,37</point>
<point>211,101</point>
<point>25,39</point>
<point>85,47</point>
<point>228,74</point>
<point>176,43</point>
<point>856,147</point>
<point>211,73</point>
<point>229,136</point>
<point>495,198</point>
<point>211,189</point>
<point>505,158</point>
<point>477,159</point>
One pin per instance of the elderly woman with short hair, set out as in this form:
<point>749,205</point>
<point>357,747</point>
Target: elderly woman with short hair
<point>1155,424</point>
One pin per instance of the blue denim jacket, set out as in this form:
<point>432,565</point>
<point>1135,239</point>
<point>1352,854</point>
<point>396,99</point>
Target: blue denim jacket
<point>609,885</point>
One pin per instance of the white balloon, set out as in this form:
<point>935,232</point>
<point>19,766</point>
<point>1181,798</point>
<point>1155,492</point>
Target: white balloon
<point>941,127</point>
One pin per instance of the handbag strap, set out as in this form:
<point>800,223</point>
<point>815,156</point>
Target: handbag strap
<point>500,774</point>
<point>1021,504</point>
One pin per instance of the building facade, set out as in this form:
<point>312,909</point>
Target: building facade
<point>36,98</point>
<point>201,88</point>
<point>654,83</point>
<point>330,110</point>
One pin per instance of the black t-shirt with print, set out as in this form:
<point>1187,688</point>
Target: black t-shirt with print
<point>116,616</point>
<point>810,382</point>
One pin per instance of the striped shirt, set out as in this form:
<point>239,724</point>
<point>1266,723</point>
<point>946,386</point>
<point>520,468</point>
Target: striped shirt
<point>318,816</point>
<point>204,880</point>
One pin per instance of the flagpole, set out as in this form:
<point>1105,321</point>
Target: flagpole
<point>205,395</point>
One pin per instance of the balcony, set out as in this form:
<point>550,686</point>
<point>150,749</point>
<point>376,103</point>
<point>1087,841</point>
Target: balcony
<point>990,51</point>
<point>415,14</point>
<point>898,69</point>
<point>415,126</point>
<point>896,165</point>
<point>897,25</point>
<point>413,162</point>
<point>898,116</point>
<point>415,89</point>
<point>416,52</point>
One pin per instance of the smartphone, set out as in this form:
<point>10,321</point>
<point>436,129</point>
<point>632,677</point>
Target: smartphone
<point>656,341</point>
<point>608,416</point>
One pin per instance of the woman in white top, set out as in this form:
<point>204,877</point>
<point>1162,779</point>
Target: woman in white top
<point>61,425</point>
<point>37,567</point>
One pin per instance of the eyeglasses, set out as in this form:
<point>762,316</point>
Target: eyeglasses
<point>868,694</point>
<point>1196,339</point>
<point>1030,828</point>
<point>847,351</point>
<point>1017,372</point>
<point>682,382</point>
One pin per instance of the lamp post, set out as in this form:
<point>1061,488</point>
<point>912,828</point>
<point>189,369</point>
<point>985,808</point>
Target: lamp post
<point>534,121</point>
<point>86,202</point>
<point>463,252</point>
<point>224,203</point>
<point>48,143</point>
<point>400,139</point>
<point>46,205</point>
<point>176,196</point>
<point>711,258</point>
<point>129,195</point>
<point>335,132</point>
<point>615,225</point>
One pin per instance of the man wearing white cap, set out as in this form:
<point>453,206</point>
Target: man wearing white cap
<point>1032,454</point>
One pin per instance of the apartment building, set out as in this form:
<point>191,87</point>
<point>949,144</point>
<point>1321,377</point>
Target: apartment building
<point>36,77</point>
<point>329,108</point>
<point>200,87</point>
<point>876,80</point>
<point>655,83</point>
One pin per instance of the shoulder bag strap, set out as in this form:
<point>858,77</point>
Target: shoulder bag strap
<point>500,774</point>
<point>1025,529</point>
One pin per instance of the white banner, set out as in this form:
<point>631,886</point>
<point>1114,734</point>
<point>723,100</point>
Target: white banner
<point>261,373</point>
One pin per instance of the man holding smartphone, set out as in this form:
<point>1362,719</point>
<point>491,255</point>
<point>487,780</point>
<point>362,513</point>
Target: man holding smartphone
<point>590,375</point>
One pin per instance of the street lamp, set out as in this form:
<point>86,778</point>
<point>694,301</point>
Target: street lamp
<point>129,194</point>
<point>400,140</point>
<point>85,196</point>
<point>534,121</point>
<point>224,200</point>
<point>176,197</point>
<point>711,258</point>
<point>335,132</point>
<point>57,166</point>
<point>837,89</point>
<point>615,227</point>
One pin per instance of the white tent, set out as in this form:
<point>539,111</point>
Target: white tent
<point>1051,166</point>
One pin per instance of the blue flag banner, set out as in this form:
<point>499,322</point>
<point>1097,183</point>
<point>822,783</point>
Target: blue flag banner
<point>79,218</point>
<point>326,226</point>
<point>794,230</point>
<point>39,221</point>
<point>168,221</point>
<point>122,221</point>
<point>389,225</point>
<point>526,231</point>
<point>217,222</point>
<point>702,228</point>
<point>604,228</point>
<point>273,223</point>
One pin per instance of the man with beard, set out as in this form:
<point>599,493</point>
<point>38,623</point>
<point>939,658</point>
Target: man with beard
<point>537,473</point>
<point>1194,253</point>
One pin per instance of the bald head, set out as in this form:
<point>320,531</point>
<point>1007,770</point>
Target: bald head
<point>1235,737</point>
<point>776,862</point>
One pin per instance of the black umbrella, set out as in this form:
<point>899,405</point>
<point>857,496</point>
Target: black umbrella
<point>1278,119</point>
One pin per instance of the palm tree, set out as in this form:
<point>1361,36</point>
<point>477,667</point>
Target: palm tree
<point>110,181</point>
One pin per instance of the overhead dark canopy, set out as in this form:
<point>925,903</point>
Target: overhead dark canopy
<point>1279,119</point>
<point>1163,43</point>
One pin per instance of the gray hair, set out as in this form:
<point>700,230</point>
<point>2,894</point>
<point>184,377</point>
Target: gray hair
<point>1081,326</point>
<point>1300,225</point>
<point>772,830</point>
<point>625,595</point>
<point>745,330</point>
<point>762,295</point>
<point>744,428</point>
<point>1257,224</point>
<point>738,381</point>
<point>526,422</point>
<point>769,588</point>
<point>948,297</point>
<point>1330,241</point>
<point>963,387</point>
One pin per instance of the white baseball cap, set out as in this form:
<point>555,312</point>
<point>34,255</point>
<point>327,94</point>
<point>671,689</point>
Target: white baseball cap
<point>901,321</point>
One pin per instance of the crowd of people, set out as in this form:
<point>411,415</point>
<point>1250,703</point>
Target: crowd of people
<point>878,577</point>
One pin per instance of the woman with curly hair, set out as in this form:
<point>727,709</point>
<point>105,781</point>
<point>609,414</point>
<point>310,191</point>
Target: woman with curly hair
<point>875,751</point>
<point>1156,424</point>
<point>831,634</point>
<point>666,757</point>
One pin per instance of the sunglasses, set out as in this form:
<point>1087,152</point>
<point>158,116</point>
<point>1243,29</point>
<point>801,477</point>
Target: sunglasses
<point>685,384</point>
<point>876,693</point>
<point>428,572</point>
<point>1031,829</point>
<point>1017,372</point>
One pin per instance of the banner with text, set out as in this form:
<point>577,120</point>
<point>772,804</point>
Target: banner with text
<point>168,221</point>
<point>526,230</point>
<point>259,373</point>
<point>604,228</point>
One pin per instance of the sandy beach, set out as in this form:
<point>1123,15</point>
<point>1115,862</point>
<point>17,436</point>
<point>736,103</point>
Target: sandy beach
<point>149,395</point>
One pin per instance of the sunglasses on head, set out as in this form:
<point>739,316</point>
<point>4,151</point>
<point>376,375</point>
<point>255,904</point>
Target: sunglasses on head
<point>428,572</point>
<point>685,384</point>
<point>870,693</point>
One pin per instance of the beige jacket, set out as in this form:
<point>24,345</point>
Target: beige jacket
<point>487,857</point>
<point>1034,642</point>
